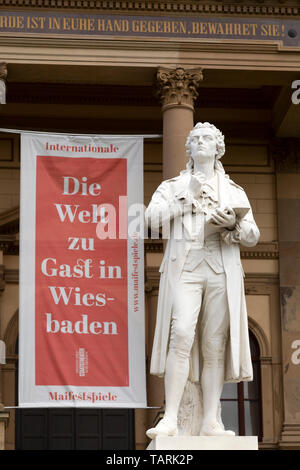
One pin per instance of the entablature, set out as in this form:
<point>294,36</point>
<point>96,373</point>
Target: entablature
<point>225,7</point>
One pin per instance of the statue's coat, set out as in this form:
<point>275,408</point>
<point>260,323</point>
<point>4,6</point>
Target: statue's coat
<point>163,211</point>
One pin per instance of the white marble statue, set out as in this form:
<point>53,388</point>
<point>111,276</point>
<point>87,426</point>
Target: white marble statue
<point>201,330</point>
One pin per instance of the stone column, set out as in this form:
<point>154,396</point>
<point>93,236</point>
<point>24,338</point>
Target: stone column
<point>177,89</point>
<point>3,76</point>
<point>287,160</point>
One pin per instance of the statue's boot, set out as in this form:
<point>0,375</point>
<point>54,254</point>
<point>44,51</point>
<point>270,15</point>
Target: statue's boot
<point>215,429</point>
<point>177,369</point>
<point>165,427</point>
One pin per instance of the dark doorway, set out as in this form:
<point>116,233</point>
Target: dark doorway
<point>74,429</point>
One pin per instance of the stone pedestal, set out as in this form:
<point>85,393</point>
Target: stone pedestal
<point>204,443</point>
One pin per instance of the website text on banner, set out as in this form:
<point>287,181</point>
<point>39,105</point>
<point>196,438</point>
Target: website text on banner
<point>81,272</point>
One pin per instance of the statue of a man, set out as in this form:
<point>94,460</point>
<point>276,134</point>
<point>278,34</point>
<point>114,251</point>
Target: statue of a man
<point>201,326</point>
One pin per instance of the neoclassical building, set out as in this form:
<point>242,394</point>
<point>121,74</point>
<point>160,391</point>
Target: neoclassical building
<point>157,67</point>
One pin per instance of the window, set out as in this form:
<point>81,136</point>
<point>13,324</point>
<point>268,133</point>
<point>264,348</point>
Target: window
<point>241,402</point>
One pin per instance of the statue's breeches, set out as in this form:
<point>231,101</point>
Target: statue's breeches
<point>203,292</point>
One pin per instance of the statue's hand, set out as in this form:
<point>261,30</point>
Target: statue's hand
<point>224,218</point>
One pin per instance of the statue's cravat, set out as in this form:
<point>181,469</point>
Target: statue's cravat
<point>203,206</point>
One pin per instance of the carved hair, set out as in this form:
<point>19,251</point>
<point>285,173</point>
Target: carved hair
<point>220,144</point>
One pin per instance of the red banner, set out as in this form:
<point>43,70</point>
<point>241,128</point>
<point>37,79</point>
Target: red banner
<point>84,305</point>
<point>75,322</point>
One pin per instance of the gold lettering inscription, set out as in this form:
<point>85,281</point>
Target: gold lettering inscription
<point>119,25</point>
<point>212,28</point>
<point>157,26</point>
<point>78,24</point>
<point>115,26</point>
<point>254,29</point>
<point>224,29</point>
<point>237,29</point>
<point>245,29</point>
<point>12,22</point>
<point>270,30</point>
<point>54,23</point>
<point>35,22</point>
<point>182,27</point>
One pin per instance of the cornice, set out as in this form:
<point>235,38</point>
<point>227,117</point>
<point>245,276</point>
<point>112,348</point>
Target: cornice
<point>10,246</point>
<point>152,44</point>
<point>258,7</point>
<point>230,55</point>
<point>263,251</point>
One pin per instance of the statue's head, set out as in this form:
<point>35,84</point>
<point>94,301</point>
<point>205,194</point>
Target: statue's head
<point>217,142</point>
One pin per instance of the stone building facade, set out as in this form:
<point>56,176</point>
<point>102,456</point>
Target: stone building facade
<point>160,80</point>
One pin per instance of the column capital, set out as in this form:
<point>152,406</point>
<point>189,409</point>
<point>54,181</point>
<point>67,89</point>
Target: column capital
<point>178,87</point>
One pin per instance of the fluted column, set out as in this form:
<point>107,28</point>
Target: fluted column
<point>3,76</point>
<point>177,89</point>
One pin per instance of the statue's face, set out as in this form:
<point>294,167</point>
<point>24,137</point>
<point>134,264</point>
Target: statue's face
<point>203,144</point>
